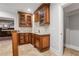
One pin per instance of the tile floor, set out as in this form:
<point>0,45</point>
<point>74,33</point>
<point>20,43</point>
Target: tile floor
<point>29,50</point>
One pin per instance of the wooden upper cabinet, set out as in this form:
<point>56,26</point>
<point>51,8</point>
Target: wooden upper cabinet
<point>47,14</point>
<point>22,20</point>
<point>29,20</point>
<point>42,14</point>
<point>25,19</point>
<point>36,15</point>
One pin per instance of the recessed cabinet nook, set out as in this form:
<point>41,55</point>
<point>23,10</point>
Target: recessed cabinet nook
<point>39,41</point>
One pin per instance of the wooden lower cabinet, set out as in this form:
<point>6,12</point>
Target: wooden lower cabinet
<point>24,38</point>
<point>29,37</point>
<point>42,42</point>
<point>32,39</point>
<point>21,38</point>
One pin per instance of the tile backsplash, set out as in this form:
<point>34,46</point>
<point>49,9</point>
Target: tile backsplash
<point>44,30</point>
<point>41,29</point>
<point>37,29</point>
<point>23,30</point>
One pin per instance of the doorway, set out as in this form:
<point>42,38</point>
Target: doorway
<point>71,29</point>
<point>6,26</point>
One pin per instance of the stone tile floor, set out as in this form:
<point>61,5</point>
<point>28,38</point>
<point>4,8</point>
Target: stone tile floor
<point>29,50</point>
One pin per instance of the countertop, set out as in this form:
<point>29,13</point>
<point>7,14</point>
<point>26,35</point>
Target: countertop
<point>36,33</point>
<point>42,33</point>
<point>7,30</point>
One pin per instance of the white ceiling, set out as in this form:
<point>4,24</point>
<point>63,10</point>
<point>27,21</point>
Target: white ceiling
<point>72,7</point>
<point>14,7</point>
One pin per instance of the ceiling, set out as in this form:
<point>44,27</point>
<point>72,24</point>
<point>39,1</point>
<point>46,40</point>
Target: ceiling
<point>72,7</point>
<point>14,7</point>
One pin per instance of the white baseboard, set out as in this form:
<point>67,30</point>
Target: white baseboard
<point>72,47</point>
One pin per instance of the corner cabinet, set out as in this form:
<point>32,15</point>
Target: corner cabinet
<point>42,14</point>
<point>25,19</point>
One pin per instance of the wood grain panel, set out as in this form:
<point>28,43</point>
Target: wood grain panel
<point>15,43</point>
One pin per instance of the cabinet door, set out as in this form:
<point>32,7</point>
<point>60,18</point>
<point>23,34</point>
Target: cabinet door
<point>30,37</point>
<point>32,40</point>
<point>21,38</point>
<point>22,20</point>
<point>26,38</point>
<point>37,41</point>
<point>47,14</point>
<point>45,41</point>
<point>29,20</point>
<point>42,16</point>
<point>37,16</point>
